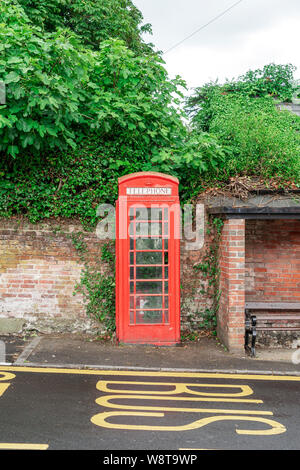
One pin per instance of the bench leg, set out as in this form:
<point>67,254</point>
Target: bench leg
<point>246,339</point>
<point>253,339</point>
<point>248,330</point>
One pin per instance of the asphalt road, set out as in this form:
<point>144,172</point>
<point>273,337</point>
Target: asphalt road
<point>126,410</point>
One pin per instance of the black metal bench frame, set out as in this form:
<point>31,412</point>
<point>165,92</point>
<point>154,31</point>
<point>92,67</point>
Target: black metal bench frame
<point>252,320</point>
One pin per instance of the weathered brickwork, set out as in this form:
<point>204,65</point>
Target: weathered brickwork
<point>272,270</point>
<point>273,260</point>
<point>40,267</point>
<point>231,313</point>
<point>196,295</point>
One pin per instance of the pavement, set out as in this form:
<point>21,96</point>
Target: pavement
<point>81,351</point>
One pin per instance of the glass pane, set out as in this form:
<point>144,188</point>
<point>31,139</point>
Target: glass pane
<point>166,287</point>
<point>131,303</point>
<point>142,228</point>
<point>149,272</point>
<point>142,213</point>
<point>166,302</point>
<point>131,244</point>
<point>131,287</point>
<point>131,317</point>
<point>149,258</point>
<point>131,213</point>
<point>166,258</point>
<point>132,273</point>
<point>166,273</point>
<point>166,244</point>
<point>165,213</point>
<point>151,213</point>
<point>154,301</point>
<point>150,287</point>
<point>149,243</point>
<point>166,229</point>
<point>155,229</point>
<point>155,214</point>
<point>131,258</point>
<point>166,312</point>
<point>150,316</point>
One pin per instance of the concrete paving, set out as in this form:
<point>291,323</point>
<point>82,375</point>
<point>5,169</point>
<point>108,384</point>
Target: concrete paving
<point>86,352</point>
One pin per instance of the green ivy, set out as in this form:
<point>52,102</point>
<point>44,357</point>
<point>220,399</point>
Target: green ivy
<point>210,269</point>
<point>97,287</point>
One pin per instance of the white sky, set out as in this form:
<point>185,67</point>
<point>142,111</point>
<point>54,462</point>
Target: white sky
<point>251,35</point>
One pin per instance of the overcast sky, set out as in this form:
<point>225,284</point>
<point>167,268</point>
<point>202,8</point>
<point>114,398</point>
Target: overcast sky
<point>252,34</point>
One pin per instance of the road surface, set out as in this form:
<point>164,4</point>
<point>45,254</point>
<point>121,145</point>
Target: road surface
<point>46,408</point>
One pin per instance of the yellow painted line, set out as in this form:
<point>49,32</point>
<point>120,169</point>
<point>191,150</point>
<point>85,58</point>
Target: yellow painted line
<point>100,420</point>
<point>105,401</point>
<point>103,386</point>
<point>19,446</point>
<point>134,373</point>
<point>3,388</point>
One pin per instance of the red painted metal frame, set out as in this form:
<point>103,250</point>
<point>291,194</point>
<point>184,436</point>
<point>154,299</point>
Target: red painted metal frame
<point>166,332</point>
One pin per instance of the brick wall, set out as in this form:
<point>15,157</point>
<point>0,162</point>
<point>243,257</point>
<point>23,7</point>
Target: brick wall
<point>196,294</point>
<point>273,270</point>
<point>39,268</point>
<point>231,313</point>
<point>273,260</point>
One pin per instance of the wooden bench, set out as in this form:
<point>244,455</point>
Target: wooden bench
<point>258,321</point>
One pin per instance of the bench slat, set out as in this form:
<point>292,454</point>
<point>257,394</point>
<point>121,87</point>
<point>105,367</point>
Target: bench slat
<point>277,317</point>
<point>279,328</point>
<point>272,305</point>
<point>252,326</point>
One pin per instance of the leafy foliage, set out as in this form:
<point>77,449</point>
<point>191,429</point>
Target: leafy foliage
<point>59,93</point>
<point>87,102</point>
<point>67,185</point>
<point>273,80</point>
<point>256,137</point>
<point>94,21</point>
<point>260,139</point>
<point>198,155</point>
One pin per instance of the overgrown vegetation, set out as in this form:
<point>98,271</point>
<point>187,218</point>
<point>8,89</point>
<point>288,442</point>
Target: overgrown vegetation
<point>97,283</point>
<point>258,138</point>
<point>209,267</point>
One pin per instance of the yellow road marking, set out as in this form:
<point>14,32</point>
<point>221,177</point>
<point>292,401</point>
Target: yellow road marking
<point>105,401</point>
<point>214,375</point>
<point>4,386</point>
<point>19,446</point>
<point>100,420</point>
<point>102,385</point>
<point>6,376</point>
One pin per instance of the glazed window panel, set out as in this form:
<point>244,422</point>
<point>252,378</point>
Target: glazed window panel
<point>148,258</point>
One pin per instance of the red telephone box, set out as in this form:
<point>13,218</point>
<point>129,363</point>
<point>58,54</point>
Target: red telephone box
<point>148,259</point>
